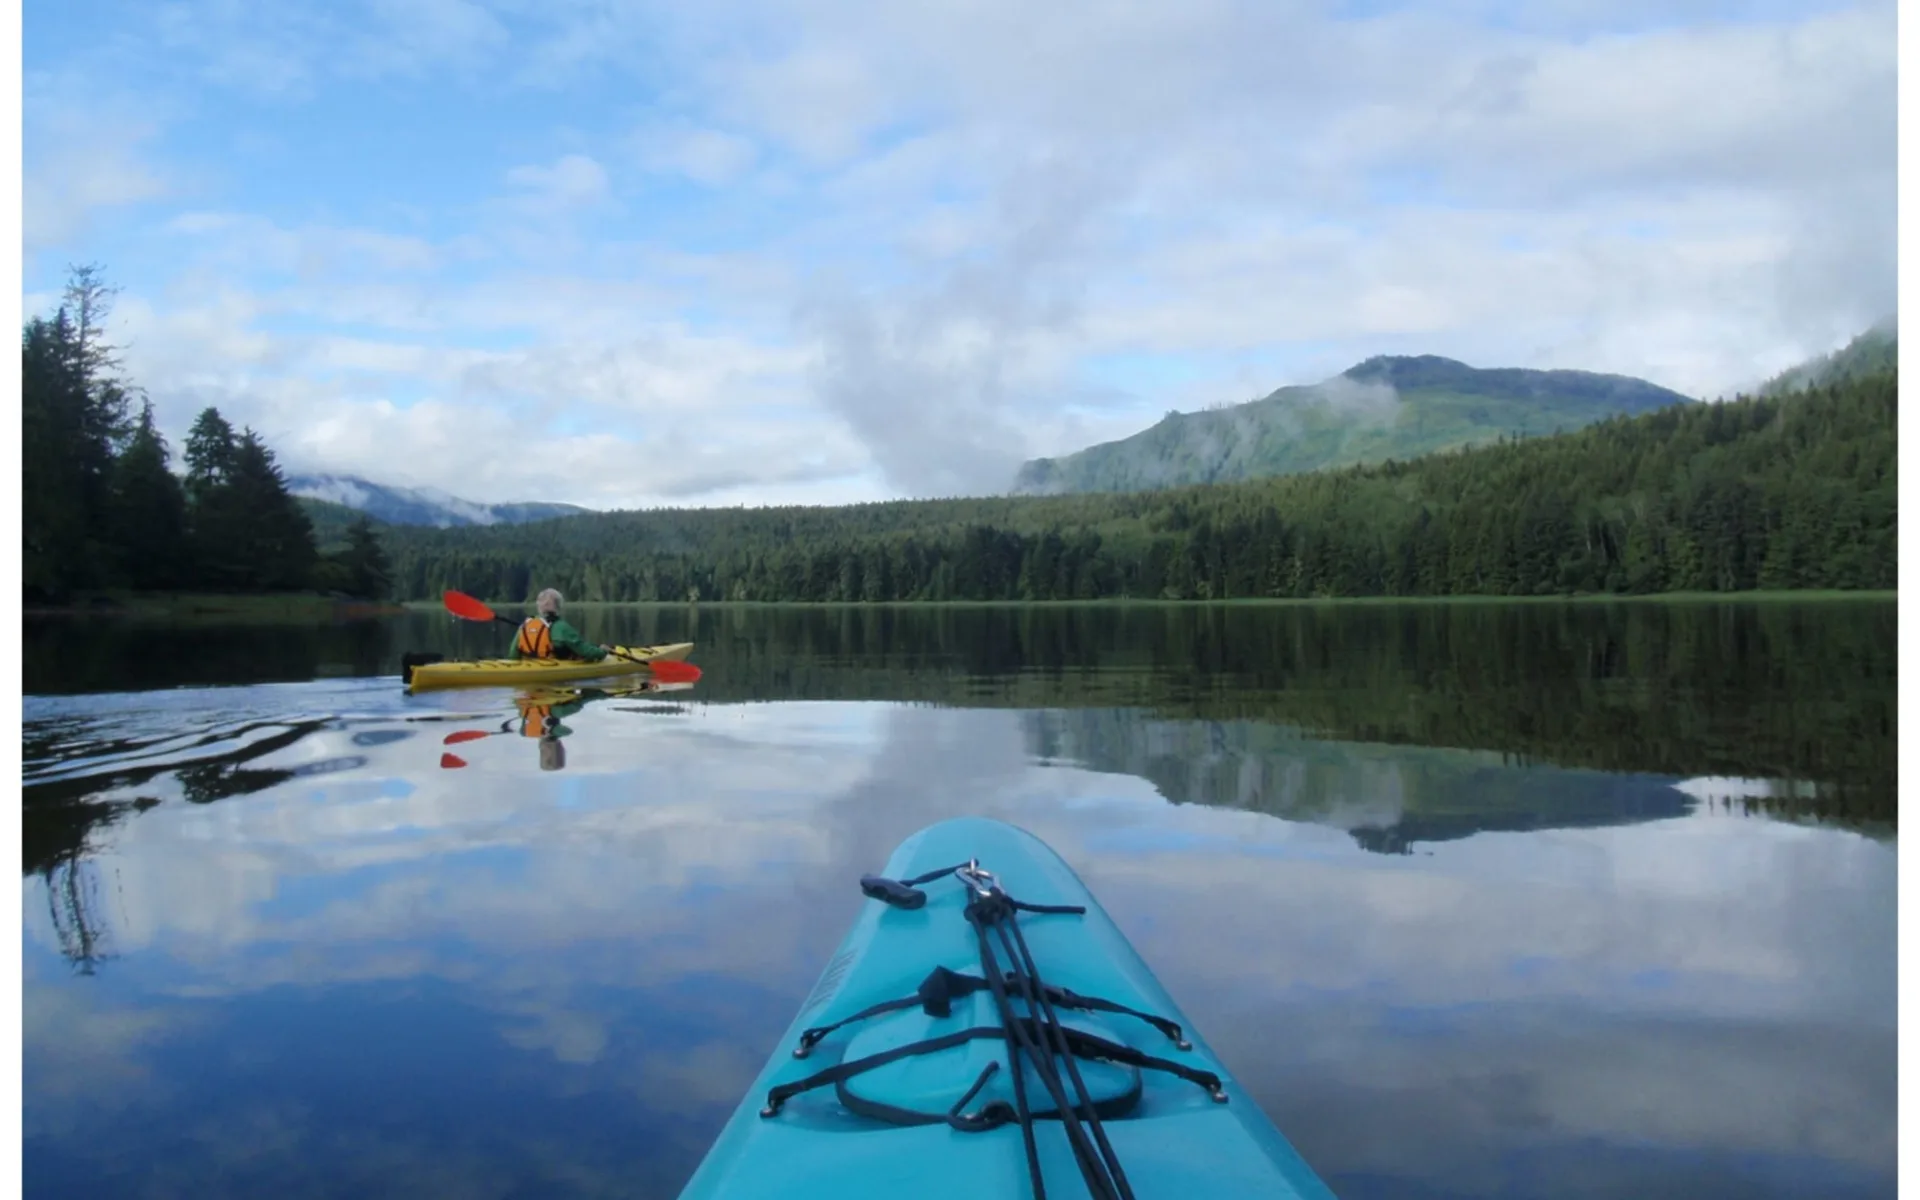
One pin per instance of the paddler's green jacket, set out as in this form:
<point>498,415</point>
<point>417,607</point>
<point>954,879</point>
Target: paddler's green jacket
<point>566,637</point>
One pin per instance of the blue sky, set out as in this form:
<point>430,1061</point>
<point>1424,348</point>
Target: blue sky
<point>624,253</point>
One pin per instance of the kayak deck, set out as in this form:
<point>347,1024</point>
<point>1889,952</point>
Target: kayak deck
<point>909,1030</point>
<point>494,672</point>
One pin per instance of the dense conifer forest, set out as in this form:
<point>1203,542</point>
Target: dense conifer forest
<point>1793,491</point>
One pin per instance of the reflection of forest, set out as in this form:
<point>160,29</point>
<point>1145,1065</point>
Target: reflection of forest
<point>60,817</point>
<point>66,656</point>
<point>1388,797</point>
<point>1237,705</point>
<point>73,905</point>
<point>1782,690</point>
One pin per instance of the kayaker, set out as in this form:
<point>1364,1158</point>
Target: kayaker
<point>545,635</point>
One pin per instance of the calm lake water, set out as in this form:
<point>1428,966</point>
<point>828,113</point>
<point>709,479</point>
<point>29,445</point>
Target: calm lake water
<point>1477,900</point>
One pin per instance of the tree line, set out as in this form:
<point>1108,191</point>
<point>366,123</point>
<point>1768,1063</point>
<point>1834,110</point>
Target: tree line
<point>103,508</point>
<point>1787,491</point>
<point>1776,492</point>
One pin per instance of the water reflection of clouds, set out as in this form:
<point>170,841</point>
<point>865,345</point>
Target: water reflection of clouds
<point>1588,910</point>
<point>204,874</point>
<point>1602,1004</point>
<point>653,919</point>
<point>82,1047</point>
<point>571,1036</point>
<point>290,886</point>
<point>1442,1097</point>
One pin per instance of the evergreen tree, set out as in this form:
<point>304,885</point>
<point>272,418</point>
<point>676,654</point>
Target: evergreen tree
<point>73,421</point>
<point>218,518</point>
<point>275,536</point>
<point>248,532</point>
<point>148,517</point>
<point>368,574</point>
<point>53,516</point>
<point>210,453</point>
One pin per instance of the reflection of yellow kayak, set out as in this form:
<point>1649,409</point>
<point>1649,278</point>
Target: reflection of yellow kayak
<point>556,694</point>
<point>511,672</point>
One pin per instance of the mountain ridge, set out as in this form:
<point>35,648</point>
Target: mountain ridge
<point>1385,407</point>
<point>1875,349</point>
<point>421,506</point>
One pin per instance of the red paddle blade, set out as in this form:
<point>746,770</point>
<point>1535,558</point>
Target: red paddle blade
<point>452,760</point>
<point>462,605</point>
<point>675,672</point>
<point>465,735</point>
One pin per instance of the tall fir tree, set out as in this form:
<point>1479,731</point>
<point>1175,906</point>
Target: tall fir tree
<point>73,423</point>
<point>217,518</point>
<point>369,575</point>
<point>53,515</point>
<point>275,539</point>
<point>210,453</point>
<point>147,522</point>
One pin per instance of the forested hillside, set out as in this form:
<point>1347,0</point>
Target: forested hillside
<point>1384,408</point>
<point>418,506</point>
<point>1875,351</point>
<point>331,521</point>
<point>1794,491</point>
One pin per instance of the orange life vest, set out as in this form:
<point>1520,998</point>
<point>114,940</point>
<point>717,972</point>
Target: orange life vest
<point>536,640</point>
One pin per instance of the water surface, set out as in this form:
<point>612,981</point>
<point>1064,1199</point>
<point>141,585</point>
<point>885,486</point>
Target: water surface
<point>1476,900</point>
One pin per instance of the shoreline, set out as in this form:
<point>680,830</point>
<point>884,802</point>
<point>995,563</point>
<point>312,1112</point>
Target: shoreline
<point>276,606</point>
<point>1755,597</point>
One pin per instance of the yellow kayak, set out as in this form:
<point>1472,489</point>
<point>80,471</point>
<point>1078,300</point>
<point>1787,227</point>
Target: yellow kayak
<point>422,675</point>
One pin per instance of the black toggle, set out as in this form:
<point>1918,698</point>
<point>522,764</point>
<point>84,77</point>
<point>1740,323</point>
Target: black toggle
<point>892,891</point>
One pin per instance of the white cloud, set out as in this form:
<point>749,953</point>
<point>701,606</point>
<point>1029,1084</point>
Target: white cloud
<point>266,50</point>
<point>1769,105</point>
<point>573,181</point>
<point>410,37</point>
<point>82,161</point>
<point>916,225</point>
<point>707,156</point>
<point>289,53</point>
<point>820,101</point>
<point>1496,288</point>
<point>239,240</point>
<point>627,412</point>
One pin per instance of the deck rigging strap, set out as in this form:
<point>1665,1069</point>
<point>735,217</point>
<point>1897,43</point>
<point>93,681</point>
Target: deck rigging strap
<point>1038,1035</point>
<point>938,991</point>
<point>1081,1043</point>
<point>991,910</point>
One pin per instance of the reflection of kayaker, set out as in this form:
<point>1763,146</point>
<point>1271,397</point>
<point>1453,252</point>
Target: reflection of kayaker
<point>541,709</point>
<point>541,713</point>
